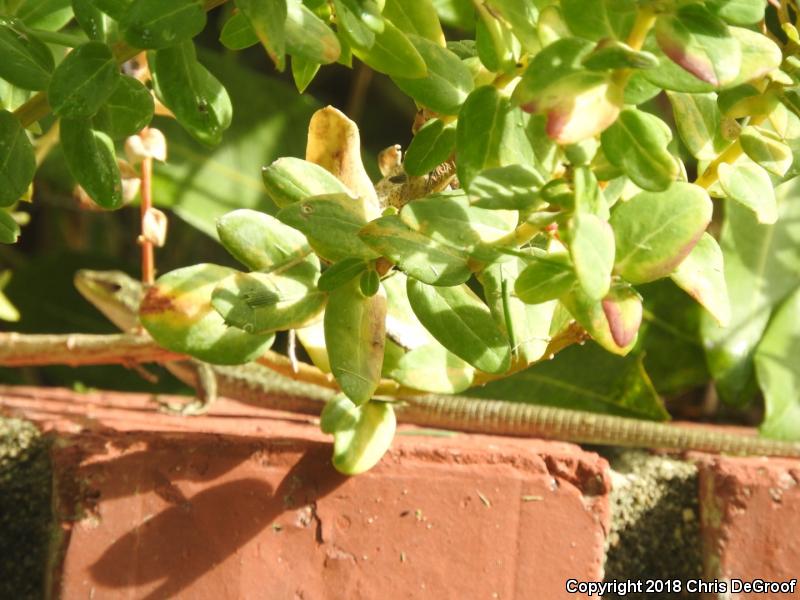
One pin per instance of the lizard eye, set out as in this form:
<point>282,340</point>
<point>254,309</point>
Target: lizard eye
<point>113,287</point>
<point>402,178</point>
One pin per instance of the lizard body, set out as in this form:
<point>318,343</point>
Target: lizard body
<point>117,296</point>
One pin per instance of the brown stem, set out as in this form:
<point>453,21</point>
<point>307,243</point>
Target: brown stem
<point>148,261</point>
<point>19,349</point>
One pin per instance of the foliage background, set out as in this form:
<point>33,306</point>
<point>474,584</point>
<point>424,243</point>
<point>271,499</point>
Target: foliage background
<point>198,184</point>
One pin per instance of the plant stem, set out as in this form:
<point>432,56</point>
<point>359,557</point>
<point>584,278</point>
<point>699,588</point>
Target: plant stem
<point>148,261</point>
<point>645,19</point>
<point>729,156</point>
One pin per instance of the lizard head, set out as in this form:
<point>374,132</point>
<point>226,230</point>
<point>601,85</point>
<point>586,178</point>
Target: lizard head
<point>113,293</point>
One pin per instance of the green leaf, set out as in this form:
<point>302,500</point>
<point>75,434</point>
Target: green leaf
<point>303,72</point>
<point>447,84</point>
<point>463,324</point>
<point>457,13</point>
<point>760,55</point>
<point>17,160</point>
<point>416,254</point>
<point>27,62</point>
<point>116,9</point>
<point>50,15</point>
<point>655,231</point>
<point>513,187</point>
<point>237,33</point>
<point>351,23</point>
<point>92,161</point>
<point>269,302</point>
<point>177,312</point>
<point>698,119</point>
<point>355,327</point>
<point>617,55</point>
<point>431,146</point>
<point>415,16</point>
<point>521,17</point>
<point>449,218</point>
<point>392,54</point>
<point>201,184</point>
<point>490,133</point>
<point>591,246</point>
<point>667,75</point>
<point>702,276</point>
<point>309,37</point>
<point>766,149</point>
<point>198,100</point>
<point>259,241</point>
<point>556,61</point>
<point>779,372</point>
<point>369,282</point>
<point>589,198</point>
<point>599,19</point>
<point>156,24</point>
<point>432,368</point>
<point>83,81</point>
<point>128,110</point>
<point>267,18</point>
<point>700,43</point>
<point>527,326</point>
<point>289,180</point>
<point>9,228</point>
<point>738,12</point>
<point>751,186</point>
<point>613,322</point>
<point>761,269</point>
<point>670,338</point>
<point>494,40</point>
<point>637,144</point>
<point>545,278</point>
<point>340,273</point>
<point>96,24</point>
<point>583,378</point>
<point>331,223</point>
<point>361,434</point>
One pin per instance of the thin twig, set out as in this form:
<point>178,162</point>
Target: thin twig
<point>148,260</point>
<point>75,349</point>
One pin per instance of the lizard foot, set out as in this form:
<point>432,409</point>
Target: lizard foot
<point>192,408</point>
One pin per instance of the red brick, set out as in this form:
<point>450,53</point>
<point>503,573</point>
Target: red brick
<point>750,516</point>
<point>241,506</point>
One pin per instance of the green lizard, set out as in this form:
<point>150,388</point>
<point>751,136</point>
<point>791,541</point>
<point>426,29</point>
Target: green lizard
<point>117,296</point>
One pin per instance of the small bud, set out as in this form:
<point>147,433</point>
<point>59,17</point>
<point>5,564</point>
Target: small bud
<point>149,143</point>
<point>154,227</point>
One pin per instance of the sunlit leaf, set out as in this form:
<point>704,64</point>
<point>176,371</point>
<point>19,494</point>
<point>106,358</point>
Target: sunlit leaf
<point>259,241</point>
<point>751,186</point>
<point>779,372</point>
<point>268,302</point>
<point>355,327</point>
<point>670,223</point>
<point>463,324</point>
<point>637,144</point>
<point>361,434</point>
<point>702,276</point>
<point>177,312</point>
